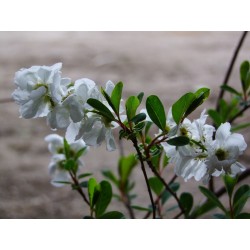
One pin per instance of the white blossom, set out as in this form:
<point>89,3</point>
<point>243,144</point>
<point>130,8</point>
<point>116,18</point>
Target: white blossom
<point>74,105</point>
<point>93,128</point>
<point>56,148</point>
<point>38,89</point>
<point>224,152</point>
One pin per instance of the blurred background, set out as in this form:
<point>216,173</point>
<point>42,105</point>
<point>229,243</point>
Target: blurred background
<point>167,64</point>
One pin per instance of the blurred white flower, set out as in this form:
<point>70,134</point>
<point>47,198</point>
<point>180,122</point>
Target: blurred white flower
<point>38,89</point>
<point>56,168</point>
<point>74,105</point>
<point>93,128</point>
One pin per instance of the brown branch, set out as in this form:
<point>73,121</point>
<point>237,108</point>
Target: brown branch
<point>145,175</point>
<point>78,188</point>
<point>230,68</point>
<point>166,185</point>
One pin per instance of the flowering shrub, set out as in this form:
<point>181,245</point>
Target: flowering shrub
<point>90,115</point>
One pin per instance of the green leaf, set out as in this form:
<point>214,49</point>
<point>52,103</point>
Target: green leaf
<point>240,198</point>
<point>243,216</point>
<point>211,196</point>
<point>139,126</point>
<point>230,183</point>
<point>166,195</point>
<point>247,83</point>
<point>215,117</point>
<point>108,99</point>
<point>147,127</point>
<point>178,141</point>
<point>139,208</point>
<point>180,107</point>
<point>224,110</point>
<point>104,198</point>
<point>112,215</point>
<point>131,105</point>
<point>92,183</point>
<point>200,210</point>
<point>116,96</point>
<point>186,200</point>
<point>101,108</point>
<point>156,111</point>
<point>140,96</point>
<point>110,175</point>
<point>84,184</point>
<point>156,185</point>
<point>139,118</point>
<point>70,165</point>
<point>66,148</point>
<point>125,166</point>
<point>240,126</point>
<point>200,96</point>
<point>230,90</point>
<point>84,175</point>
<point>244,68</point>
<point>79,153</point>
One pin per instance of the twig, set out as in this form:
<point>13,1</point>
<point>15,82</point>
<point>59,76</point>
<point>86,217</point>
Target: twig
<point>145,176</point>
<point>78,188</point>
<point>239,113</point>
<point>230,68</point>
<point>126,201</point>
<point>166,185</point>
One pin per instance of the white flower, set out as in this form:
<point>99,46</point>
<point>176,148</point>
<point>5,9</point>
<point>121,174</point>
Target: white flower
<point>224,152</point>
<point>190,160</point>
<point>56,168</point>
<point>74,105</point>
<point>93,128</point>
<point>38,89</point>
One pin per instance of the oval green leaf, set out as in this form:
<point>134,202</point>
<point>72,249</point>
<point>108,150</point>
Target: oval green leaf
<point>178,141</point>
<point>104,198</point>
<point>156,111</point>
<point>101,109</point>
<point>132,104</point>
<point>116,96</point>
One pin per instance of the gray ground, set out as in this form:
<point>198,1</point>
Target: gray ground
<point>163,63</point>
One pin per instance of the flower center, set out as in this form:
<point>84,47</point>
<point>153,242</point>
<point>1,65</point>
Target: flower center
<point>184,131</point>
<point>221,154</point>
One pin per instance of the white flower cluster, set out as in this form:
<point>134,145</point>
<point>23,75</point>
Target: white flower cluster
<point>57,171</point>
<point>206,155</point>
<point>41,91</point>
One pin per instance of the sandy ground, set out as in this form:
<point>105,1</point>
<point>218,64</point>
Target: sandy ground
<point>164,63</point>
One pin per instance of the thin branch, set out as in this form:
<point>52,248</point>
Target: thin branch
<point>145,176</point>
<point>78,188</point>
<point>230,68</point>
<point>126,202</point>
<point>239,113</point>
<point>173,179</point>
<point>166,185</point>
